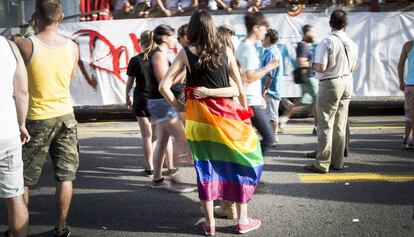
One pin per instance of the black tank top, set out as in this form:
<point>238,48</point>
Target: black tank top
<point>218,78</point>
<point>152,83</point>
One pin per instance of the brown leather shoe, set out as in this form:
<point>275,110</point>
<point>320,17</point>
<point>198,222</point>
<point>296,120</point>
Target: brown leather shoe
<point>227,209</point>
<point>314,169</point>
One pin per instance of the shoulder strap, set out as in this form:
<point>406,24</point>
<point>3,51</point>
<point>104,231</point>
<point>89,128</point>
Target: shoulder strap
<point>346,51</point>
<point>11,48</point>
<point>189,54</point>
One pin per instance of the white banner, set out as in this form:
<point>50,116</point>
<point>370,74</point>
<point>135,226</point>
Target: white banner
<point>107,46</point>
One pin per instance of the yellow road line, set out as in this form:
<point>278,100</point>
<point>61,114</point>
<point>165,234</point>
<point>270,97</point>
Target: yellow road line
<point>99,123</point>
<point>352,128</point>
<point>356,177</point>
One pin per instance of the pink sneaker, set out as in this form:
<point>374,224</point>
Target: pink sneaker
<point>253,225</point>
<point>208,230</point>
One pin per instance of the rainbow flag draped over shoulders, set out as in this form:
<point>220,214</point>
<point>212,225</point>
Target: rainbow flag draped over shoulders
<point>226,150</point>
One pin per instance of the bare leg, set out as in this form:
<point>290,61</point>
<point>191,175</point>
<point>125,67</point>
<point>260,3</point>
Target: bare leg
<point>146,134</point>
<point>169,154</point>
<point>208,210</point>
<point>242,213</point>
<point>175,129</point>
<point>64,192</point>
<point>292,110</point>
<point>18,216</point>
<point>162,140</point>
<point>408,134</point>
<point>26,195</point>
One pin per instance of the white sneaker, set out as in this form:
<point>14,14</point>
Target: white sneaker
<point>282,122</point>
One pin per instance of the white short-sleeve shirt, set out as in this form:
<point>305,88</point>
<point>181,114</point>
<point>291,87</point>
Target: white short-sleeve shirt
<point>249,61</point>
<point>330,53</point>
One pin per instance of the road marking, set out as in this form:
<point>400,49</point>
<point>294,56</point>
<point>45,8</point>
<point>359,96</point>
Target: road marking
<point>352,128</point>
<point>91,131</point>
<point>99,123</point>
<point>356,177</point>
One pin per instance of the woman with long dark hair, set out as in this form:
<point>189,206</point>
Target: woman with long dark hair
<point>166,116</point>
<point>226,150</point>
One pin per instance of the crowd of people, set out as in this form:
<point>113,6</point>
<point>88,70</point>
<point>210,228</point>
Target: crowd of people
<point>211,102</point>
<point>110,9</point>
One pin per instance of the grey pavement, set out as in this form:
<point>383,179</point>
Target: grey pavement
<point>113,198</point>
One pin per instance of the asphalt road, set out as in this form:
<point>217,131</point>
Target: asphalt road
<point>373,196</point>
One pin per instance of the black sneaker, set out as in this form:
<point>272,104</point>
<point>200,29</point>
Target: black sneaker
<point>149,173</point>
<point>311,154</point>
<point>161,183</point>
<point>63,233</point>
<point>314,131</point>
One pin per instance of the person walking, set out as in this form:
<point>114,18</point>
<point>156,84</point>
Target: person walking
<point>13,135</point>
<point>256,25</point>
<point>137,69</point>
<point>305,53</point>
<point>407,86</point>
<point>51,61</point>
<point>271,82</point>
<point>166,117</point>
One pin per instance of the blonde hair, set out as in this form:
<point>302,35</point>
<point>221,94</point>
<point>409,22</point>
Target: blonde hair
<point>156,38</point>
<point>150,46</point>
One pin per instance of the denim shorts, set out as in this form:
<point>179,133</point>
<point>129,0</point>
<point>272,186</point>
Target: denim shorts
<point>161,110</point>
<point>11,169</point>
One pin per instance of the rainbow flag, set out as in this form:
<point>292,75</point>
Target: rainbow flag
<point>226,150</point>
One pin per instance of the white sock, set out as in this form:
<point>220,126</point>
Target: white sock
<point>244,221</point>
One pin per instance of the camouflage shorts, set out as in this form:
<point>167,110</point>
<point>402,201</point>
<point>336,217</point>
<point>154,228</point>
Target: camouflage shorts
<point>58,137</point>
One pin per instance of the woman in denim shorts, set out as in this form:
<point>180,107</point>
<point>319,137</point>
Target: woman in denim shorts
<point>166,117</point>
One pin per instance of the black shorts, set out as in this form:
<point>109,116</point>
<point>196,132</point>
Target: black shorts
<point>140,106</point>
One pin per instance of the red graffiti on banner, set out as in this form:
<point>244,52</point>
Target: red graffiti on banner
<point>114,52</point>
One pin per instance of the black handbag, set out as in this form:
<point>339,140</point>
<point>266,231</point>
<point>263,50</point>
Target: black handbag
<point>301,75</point>
<point>178,91</point>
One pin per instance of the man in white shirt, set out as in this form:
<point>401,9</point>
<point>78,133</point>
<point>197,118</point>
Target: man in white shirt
<point>256,25</point>
<point>335,60</point>
<point>13,133</point>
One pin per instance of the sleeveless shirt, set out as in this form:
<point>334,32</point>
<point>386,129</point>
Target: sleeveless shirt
<point>218,78</point>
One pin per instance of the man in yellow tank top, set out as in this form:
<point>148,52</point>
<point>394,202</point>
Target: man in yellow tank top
<point>51,61</point>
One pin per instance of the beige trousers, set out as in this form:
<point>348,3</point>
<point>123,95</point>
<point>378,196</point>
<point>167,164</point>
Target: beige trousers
<point>332,111</point>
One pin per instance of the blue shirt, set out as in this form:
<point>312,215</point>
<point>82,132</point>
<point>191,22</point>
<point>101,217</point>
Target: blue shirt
<point>305,51</point>
<point>409,80</point>
<point>273,52</point>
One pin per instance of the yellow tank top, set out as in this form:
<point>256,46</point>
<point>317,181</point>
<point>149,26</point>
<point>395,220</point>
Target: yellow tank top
<point>50,71</point>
